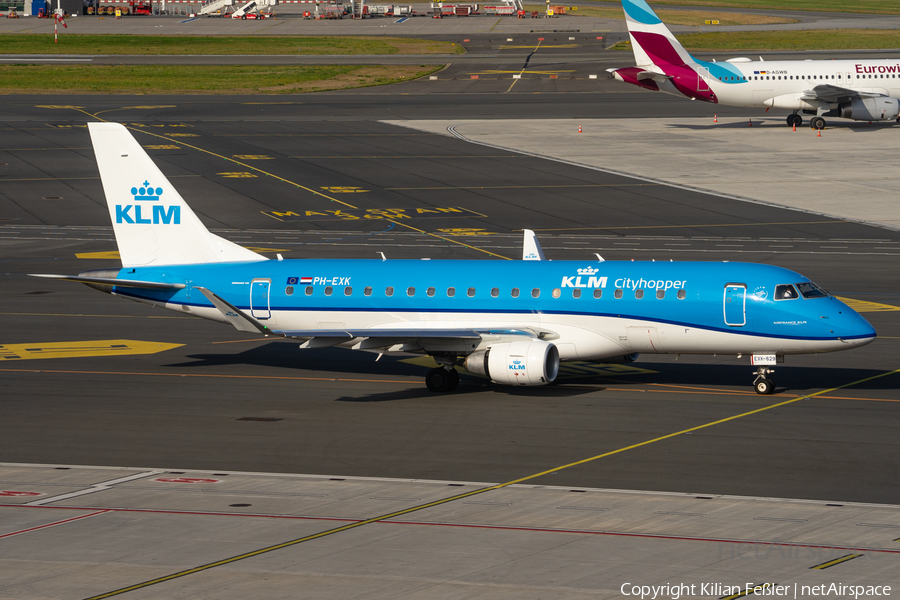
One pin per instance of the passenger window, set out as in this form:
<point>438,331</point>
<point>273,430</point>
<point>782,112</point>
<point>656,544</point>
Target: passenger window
<point>660,294</point>
<point>328,290</point>
<point>556,292</point>
<point>810,290</point>
<point>451,292</point>
<point>514,293</point>
<point>576,293</point>
<point>495,292</point>
<point>536,293</point>
<point>638,294</point>
<point>618,294</point>
<point>470,292</point>
<point>367,291</point>
<point>598,293</point>
<point>389,291</point>
<point>309,290</point>
<point>430,292</point>
<point>785,291</point>
<point>348,291</point>
<point>411,292</point>
<point>289,290</point>
<point>682,294</point>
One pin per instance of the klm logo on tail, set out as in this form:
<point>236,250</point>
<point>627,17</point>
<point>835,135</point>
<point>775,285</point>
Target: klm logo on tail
<point>136,214</point>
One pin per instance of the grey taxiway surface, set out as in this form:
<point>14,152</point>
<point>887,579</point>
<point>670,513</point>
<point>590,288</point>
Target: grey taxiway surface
<point>323,176</point>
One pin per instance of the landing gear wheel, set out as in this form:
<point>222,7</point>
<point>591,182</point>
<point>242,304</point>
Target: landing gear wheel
<point>794,119</point>
<point>764,386</point>
<point>454,380</point>
<point>441,380</point>
<point>817,123</point>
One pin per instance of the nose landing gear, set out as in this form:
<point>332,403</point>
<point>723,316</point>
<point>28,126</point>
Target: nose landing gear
<point>762,383</point>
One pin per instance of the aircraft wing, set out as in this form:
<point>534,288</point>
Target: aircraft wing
<point>834,93</point>
<point>375,339</point>
<point>366,339</point>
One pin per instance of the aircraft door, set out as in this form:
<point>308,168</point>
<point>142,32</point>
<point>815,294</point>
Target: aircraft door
<point>703,79</point>
<point>735,304</point>
<point>259,298</point>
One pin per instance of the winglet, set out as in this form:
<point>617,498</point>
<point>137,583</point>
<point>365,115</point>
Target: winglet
<point>234,315</point>
<point>531,248</point>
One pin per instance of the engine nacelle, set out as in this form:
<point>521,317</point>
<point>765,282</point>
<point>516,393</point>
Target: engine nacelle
<point>532,362</point>
<point>871,109</point>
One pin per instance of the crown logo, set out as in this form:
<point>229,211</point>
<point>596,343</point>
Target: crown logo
<point>146,193</point>
<point>587,271</point>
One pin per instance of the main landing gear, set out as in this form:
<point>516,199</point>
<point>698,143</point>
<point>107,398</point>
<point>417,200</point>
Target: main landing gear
<point>817,123</point>
<point>762,383</point>
<point>794,120</point>
<point>442,380</point>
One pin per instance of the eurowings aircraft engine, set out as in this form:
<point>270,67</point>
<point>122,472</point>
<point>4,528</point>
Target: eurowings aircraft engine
<point>511,321</point>
<point>533,362</point>
<point>871,109</point>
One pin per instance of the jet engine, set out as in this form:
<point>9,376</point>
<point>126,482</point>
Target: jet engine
<point>532,362</point>
<point>871,109</point>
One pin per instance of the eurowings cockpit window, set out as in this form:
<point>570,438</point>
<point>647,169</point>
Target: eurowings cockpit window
<point>786,291</point>
<point>811,290</point>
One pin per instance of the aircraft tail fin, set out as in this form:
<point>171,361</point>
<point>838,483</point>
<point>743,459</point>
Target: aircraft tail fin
<point>651,40</point>
<point>152,222</point>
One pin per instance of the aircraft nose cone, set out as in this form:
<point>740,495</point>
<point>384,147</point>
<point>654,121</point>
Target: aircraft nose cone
<point>852,328</point>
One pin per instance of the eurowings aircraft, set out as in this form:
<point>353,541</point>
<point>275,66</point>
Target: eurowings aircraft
<point>862,90</point>
<point>511,321</point>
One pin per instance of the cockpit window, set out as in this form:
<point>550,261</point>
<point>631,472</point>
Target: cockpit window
<point>811,290</point>
<point>786,291</point>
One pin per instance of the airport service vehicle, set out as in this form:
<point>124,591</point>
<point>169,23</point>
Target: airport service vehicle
<point>511,321</point>
<point>862,90</point>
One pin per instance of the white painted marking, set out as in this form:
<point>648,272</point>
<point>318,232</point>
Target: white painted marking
<point>97,487</point>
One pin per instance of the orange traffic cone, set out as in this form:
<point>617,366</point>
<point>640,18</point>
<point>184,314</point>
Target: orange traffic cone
<point>819,134</point>
<point>715,118</point>
<point>579,128</point>
<point>795,127</point>
<point>750,124</point>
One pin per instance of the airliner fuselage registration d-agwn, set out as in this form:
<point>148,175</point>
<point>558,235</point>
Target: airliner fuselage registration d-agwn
<point>862,90</point>
<point>511,321</point>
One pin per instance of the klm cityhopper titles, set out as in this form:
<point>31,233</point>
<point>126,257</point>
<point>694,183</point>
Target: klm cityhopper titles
<point>511,321</point>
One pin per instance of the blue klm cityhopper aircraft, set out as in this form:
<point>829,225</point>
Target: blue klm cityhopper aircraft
<point>511,321</point>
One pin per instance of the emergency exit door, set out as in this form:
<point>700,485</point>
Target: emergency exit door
<point>259,299</point>
<point>735,303</point>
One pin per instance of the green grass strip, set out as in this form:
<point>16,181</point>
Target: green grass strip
<point>77,43</point>
<point>171,79</point>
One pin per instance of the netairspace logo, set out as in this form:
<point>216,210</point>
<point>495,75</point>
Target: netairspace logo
<point>825,590</point>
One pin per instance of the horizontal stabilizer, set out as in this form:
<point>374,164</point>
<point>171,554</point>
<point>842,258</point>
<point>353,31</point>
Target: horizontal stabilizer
<point>234,315</point>
<point>147,285</point>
